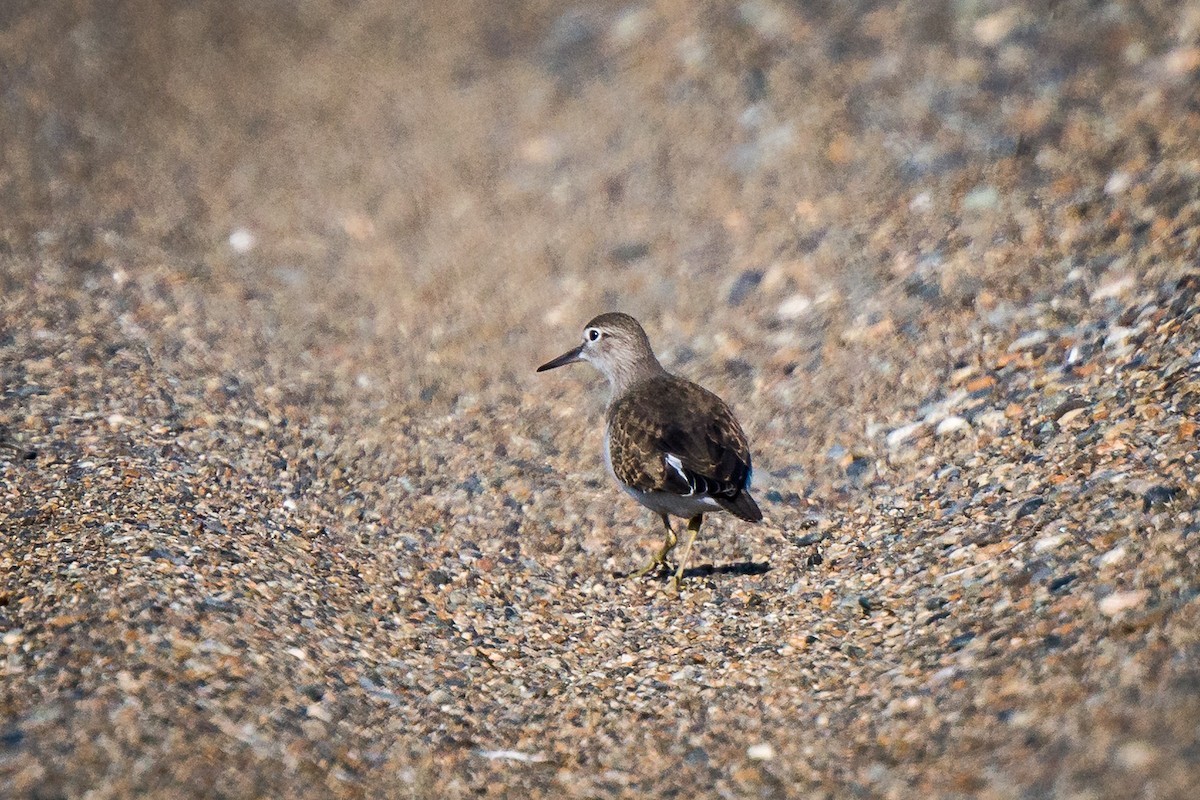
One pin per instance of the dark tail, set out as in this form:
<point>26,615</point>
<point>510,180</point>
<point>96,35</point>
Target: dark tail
<point>742,506</point>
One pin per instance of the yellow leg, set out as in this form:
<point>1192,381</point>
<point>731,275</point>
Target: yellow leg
<point>693,529</point>
<point>660,557</point>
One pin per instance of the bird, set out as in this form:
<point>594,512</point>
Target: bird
<point>671,444</point>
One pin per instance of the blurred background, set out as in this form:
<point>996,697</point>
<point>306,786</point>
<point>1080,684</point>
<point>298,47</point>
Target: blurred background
<point>456,188</point>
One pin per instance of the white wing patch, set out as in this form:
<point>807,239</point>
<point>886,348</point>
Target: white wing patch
<point>674,463</point>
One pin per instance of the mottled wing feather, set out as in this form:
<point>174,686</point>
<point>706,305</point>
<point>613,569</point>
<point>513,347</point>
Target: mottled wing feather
<point>669,416</point>
<point>635,460</point>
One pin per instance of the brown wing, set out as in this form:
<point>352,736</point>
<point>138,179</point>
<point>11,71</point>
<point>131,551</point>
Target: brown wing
<point>670,435</point>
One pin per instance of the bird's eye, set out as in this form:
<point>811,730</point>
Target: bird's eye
<point>592,334</point>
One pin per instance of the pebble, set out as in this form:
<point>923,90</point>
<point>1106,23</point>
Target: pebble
<point>1113,557</point>
<point>241,240</point>
<point>1117,182</point>
<point>745,284</point>
<point>1029,341</point>
<point>904,435</point>
<point>1049,543</point>
<point>951,425</point>
<point>762,751</point>
<point>981,198</point>
<point>1119,602</point>
<point>1136,755</point>
<point>992,420</point>
<point>794,307</point>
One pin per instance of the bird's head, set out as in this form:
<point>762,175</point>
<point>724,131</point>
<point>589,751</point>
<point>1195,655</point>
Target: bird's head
<point>616,345</point>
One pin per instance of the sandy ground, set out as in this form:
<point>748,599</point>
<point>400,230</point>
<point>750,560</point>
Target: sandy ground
<point>285,511</point>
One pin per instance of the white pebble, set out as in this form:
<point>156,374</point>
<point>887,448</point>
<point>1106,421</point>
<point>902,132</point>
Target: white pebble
<point>922,202</point>
<point>992,420</point>
<point>318,711</point>
<point>794,307</point>
<point>762,751</point>
<point>513,755</point>
<point>951,424</point>
<point>1119,602</point>
<point>981,198</point>
<point>630,26</point>
<point>1031,339</point>
<point>1136,755</point>
<point>1114,288</point>
<point>1114,556</point>
<point>903,434</point>
<point>1066,418</point>
<point>1047,543</point>
<point>1117,182</point>
<point>241,240</point>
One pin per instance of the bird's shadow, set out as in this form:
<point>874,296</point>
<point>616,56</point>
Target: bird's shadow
<point>743,568</point>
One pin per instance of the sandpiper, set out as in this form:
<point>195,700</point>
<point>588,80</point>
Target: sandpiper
<point>674,446</point>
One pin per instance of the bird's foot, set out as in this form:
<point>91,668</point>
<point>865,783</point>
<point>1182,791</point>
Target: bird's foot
<point>677,579</point>
<point>655,563</point>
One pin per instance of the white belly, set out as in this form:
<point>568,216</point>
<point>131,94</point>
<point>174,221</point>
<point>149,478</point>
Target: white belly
<point>674,504</point>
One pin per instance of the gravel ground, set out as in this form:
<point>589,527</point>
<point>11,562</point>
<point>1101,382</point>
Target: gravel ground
<point>284,510</point>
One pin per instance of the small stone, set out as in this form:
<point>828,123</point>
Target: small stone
<point>1068,407</point>
<point>794,307</point>
<point>762,751</point>
<point>1029,341</point>
<point>241,240</point>
<point>628,252</point>
<point>994,28</point>
<point>1175,367</point>
<point>902,435</point>
<point>1136,755</point>
<point>630,25</point>
<point>1048,543</point>
<point>993,420</point>
<point>1113,557</point>
<point>1061,582</point>
<point>319,711</point>
<point>943,675</point>
<point>1113,288</point>
<point>951,424</point>
<point>746,283</point>
<point>1120,602</point>
<point>1117,183</point>
<point>1028,507</point>
<point>981,386</point>
<point>858,468</point>
<point>810,539</point>
<point>981,198</point>
<point>1070,416</point>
